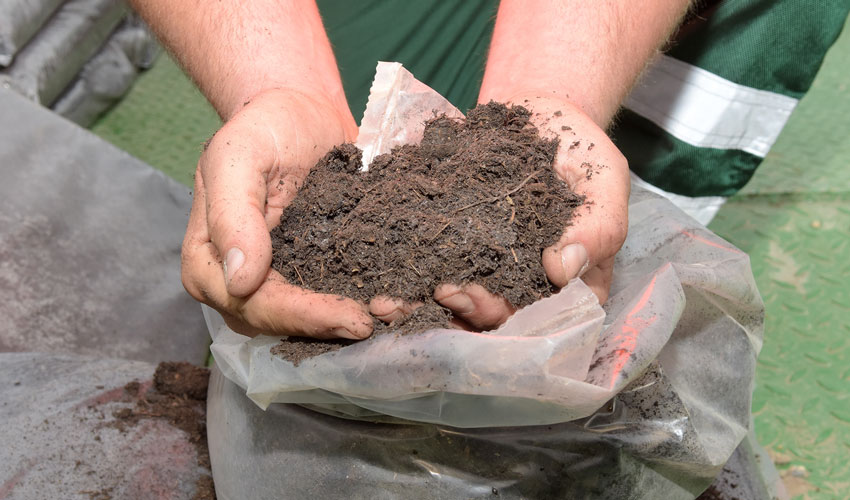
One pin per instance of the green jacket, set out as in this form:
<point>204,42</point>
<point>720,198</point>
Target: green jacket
<point>698,123</point>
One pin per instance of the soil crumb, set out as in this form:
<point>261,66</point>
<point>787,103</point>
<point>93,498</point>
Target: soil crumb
<point>182,379</point>
<point>476,201</point>
<point>297,349</point>
<point>178,395</point>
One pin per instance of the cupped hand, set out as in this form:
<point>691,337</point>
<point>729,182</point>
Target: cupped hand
<point>592,166</point>
<point>250,170</point>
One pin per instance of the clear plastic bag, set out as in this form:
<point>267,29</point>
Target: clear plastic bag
<point>647,398</point>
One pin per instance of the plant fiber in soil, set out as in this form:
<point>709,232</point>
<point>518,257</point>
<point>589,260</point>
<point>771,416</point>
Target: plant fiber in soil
<point>476,201</point>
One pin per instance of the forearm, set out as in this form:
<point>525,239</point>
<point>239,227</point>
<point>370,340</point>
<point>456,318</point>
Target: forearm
<point>589,53</point>
<point>236,50</point>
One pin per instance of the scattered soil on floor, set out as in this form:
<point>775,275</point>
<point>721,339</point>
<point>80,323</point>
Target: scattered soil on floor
<point>182,379</point>
<point>178,395</point>
<point>476,201</point>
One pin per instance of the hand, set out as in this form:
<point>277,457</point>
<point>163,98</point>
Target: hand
<point>592,166</point>
<point>250,170</point>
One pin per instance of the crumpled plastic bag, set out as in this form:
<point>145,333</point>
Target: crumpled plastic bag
<point>396,111</point>
<point>661,377</point>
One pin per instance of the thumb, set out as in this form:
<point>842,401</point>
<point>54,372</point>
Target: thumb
<point>234,169</point>
<point>599,227</point>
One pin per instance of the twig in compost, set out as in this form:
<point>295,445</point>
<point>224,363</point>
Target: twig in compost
<point>299,275</point>
<point>499,196</point>
<point>409,263</point>
<point>432,238</point>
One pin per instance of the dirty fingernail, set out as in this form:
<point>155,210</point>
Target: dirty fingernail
<point>459,303</point>
<point>574,260</point>
<point>232,262</point>
<point>343,332</point>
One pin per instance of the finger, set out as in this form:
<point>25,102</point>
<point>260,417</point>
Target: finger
<point>234,169</point>
<point>598,279</point>
<point>459,324</point>
<point>280,307</point>
<point>599,227</point>
<point>197,236</point>
<point>277,307</point>
<point>473,304</point>
<point>389,309</point>
<point>565,263</point>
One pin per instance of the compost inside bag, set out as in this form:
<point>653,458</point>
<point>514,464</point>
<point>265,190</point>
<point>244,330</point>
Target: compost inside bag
<point>645,399</point>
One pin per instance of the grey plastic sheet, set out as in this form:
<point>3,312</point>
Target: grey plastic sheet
<point>108,76</point>
<point>312,455</point>
<point>19,21</point>
<point>57,53</point>
<point>89,245</point>
<point>61,440</point>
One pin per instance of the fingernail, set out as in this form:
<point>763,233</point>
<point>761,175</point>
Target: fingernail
<point>344,333</point>
<point>574,260</point>
<point>232,262</point>
<point>460,303</point>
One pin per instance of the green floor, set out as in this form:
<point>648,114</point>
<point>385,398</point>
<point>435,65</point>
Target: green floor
<point>793,219</point>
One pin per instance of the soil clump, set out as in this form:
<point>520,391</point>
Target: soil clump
<point>178,395</point>
<point>476,201</point>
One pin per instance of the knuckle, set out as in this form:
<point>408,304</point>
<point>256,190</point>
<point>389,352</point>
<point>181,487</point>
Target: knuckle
<point>188,277</point>
<point>259,319</point>
<point>191,287</point>
<point>620,231</point>
<point>217,214</point>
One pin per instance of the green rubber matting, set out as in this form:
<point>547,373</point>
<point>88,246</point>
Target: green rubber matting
<point>164,120</point>
<point>793,218</point>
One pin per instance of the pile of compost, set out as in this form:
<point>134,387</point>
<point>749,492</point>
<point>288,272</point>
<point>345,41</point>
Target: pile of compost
<point>476,201</point>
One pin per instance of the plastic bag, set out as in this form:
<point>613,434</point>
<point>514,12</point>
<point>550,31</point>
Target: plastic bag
<point>396,111</point>
<point>661,404</point>
<point>292,449</point>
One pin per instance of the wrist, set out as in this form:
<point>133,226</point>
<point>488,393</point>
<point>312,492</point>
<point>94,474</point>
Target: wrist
<point>527,96</point>
<point>314,104</point>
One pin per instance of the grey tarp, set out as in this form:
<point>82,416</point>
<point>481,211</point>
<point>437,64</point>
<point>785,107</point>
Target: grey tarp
<point>109,74</point>
<point>60,437</point>
<point>48,63</point>
<point>19,21</point>
<point>89,245</point>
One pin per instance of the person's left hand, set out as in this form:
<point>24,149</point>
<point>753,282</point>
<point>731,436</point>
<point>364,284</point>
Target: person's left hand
<point>592,166</point>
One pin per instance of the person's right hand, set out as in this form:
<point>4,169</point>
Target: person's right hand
<point>250,170</point>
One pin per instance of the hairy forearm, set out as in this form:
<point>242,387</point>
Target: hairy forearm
<point>589,53</point>
<point>235,50</point>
